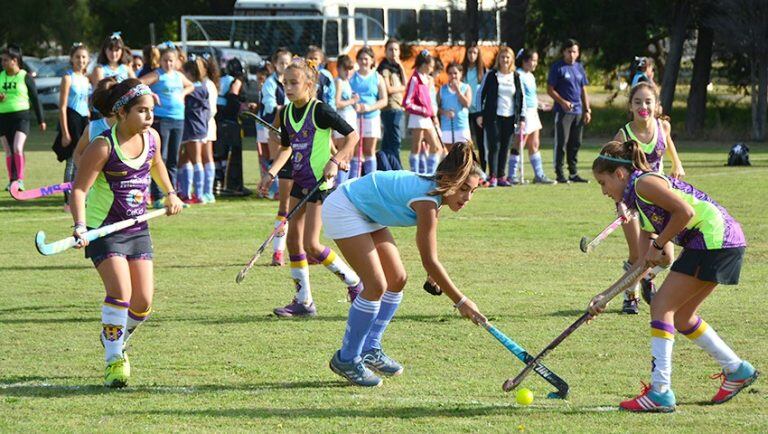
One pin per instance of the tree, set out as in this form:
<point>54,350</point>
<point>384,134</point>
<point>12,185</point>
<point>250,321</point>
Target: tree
<point>513,23</point>
<point>39,27</point>
<point>702,69</point>
<point>678,33</point>
<point>742,25</point>
<point>473,19</point>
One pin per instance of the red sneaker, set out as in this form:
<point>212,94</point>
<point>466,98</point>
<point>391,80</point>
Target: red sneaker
<point>650,401</point>
<point>277,259</point>
<point>734,382</point>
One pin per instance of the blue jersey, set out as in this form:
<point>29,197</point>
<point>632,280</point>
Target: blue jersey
<point>170,90</point>
<point>528,82</point>
<point>224,84</point>
<point>120,73</point>
<point>79,90</point>
<point>97,128</point>
<point>385,197</point>
<point>568,81</point>
<point>272,96</point>
<point>449,100</point>
<point>474,83</point>
<point>327,86</point>
<point>367,87</point>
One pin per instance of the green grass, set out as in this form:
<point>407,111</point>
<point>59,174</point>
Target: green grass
<point>212,358</point>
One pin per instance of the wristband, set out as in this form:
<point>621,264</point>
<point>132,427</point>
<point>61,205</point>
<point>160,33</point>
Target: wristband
<point>656,246</point>
<point>460,302</point>
<point>271,176</point>
<point>334,161</point>
<point>170,192</point>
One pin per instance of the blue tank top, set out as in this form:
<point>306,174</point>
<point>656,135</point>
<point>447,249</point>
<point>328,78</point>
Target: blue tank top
<point>79,90</point>
<point>346,95</point>
<point>170,89</point>
<point>450,101</point>
<point>529,88</point>
<point>97,128</point>
<point>368,89</point>
<point>120,73</point>
<point>385,197</point>
<point>224,84</point>
<point>472,81</point>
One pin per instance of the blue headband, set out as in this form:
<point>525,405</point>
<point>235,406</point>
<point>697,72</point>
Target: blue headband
<point>614,159</point>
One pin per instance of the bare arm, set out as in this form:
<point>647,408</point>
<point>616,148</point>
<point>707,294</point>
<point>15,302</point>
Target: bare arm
<point>149,79</point>
<point>188,86</point>
<point>657,191</point>
<point>63,101</point>
<point>585,105</point>
<point>677,166</point>
<point>382,101</point>
<point>465,98</point>
<point>91,163</point>
<point>97,75</point>
<point>82,143</point>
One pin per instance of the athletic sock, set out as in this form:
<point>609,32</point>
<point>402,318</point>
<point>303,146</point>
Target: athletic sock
<point>413,162</point>
<point>369,165</point>
<point>300,275</point>
<point>199,177</point>
<point>278,243</point>
<point>114,316</point>
<point>184,180</point>
<point>18,161</point>
<point>354,166</point>
<point>538,167</point>
<point>514,159</point>
<point>708,340</point>
<point>341,176</point>
<point>662,341</point>
<point>362,314</point>
<point>432,161</point>
<point>389,304</point>
<point>9,166</point>
<point>135,319</point>
<point>422,162</point>
<point>338,267</point>
<point>210,176</point>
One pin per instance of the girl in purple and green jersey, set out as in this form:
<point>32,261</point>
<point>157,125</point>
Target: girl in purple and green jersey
<point>111,185</point>
<point>306,125</point>
<point>673,211</point>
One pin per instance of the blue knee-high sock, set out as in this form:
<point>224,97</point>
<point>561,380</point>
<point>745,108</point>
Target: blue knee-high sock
<point>362,314</point>
<point>413,162</point>
<point>422,162</point>
<point>341,176</point>
<point>389,304</point>
<point>354,164</point>
<point>538,168</point>
<point>185,179</point>
<point>210,176</point>
<point>514,160</point>
<point>369,165</point>
<point>199,176</point>
<point>432,161</point>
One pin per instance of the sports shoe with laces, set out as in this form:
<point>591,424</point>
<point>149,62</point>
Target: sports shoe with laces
<point>650,401</point>
<point>562,180</point>
<point>630,307</point>
<point>577,178</point>
<point>492,182</point>
<point>117,373</point>
<point>278,259</point>
<point>734,382</point>
<point>21,184</point>
<point>503,182</point>
<point>544,180</point>
<point>647,290</point>
<point>376,360</point>
<point>296,309</point>
<point>355,372</point>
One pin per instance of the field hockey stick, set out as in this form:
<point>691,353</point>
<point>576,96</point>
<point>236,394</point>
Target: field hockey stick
<point>360,148</point>
<point>453,134</point>
<point>587,245</point>
<point>630,278</point>
<point>521,163</point>
<point>254,117</point>
<point>437,133</point>
<point>59,246</point>
<point>278,228</point>
<point>523,356</point>
<point>38,192</point>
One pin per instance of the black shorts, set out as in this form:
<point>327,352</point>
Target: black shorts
<point>286,172</point>
<point>10,123</point>
<point>719,266</point>
<point>300,193</point>
<point>133,246</point>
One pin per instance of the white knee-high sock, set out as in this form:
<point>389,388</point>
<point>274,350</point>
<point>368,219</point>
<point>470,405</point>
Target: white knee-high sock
<point>338,267</point>
<point>662,342</point>
<point>300,276</point>
<point>114,316</point>
<point>708,340</point>
<point>278,243</point>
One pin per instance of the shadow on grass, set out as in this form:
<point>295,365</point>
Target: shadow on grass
<point>48,320</point>
<point>245,319</point>
<point>41,308</point>
<point>47,268</point>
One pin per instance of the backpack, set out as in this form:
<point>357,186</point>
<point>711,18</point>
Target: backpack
<point>738,155</point>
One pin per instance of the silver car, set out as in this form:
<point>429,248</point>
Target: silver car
<point>46,81</point>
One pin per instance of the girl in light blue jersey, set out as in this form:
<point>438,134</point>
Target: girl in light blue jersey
<point>345,103</point>
<point>369,86</point>
<point>454,99</point>
<point>474,71</point>
<point>356,217</point>
<point>112,61</point>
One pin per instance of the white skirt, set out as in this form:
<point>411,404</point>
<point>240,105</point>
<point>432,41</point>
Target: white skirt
<point>211,130</point>
<point>532,121</point>
<point>351,117</point>
<point>419,122</point>
<point>342,219</point>
<point>262,134</point>
<point>371,127</point>
<point>457,136</point>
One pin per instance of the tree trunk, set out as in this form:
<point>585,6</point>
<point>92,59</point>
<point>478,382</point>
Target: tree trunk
<point>678,33</point>
<point>473,20</point>
<point>759,122</point>
<point>513,23</point>
<point>702,69</point>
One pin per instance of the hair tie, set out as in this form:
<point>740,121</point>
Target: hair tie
<point>312,64</point>
<point>192,57</point>
<point>615,159</point>
<point>116,35</point>
<point>77,44</point>
<point>167,45</point>
<point>519,53</point>
<point>425,52</point>
<point>134,92</point>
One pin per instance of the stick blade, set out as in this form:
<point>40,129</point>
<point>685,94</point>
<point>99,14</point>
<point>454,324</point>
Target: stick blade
<point>584,245</point>
<point>509,384</point>
<point>40,244</point>
<point>14,190</point>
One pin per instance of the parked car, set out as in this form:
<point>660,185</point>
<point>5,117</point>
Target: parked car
<point>46,81</point>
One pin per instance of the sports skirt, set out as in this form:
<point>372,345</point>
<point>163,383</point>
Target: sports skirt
<point>342,219</point>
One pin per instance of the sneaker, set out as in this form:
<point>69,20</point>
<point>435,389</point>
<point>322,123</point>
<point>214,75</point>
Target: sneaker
<point>8,186</point>
<point>353,291</point>
<point>376,360</point>
<point>158,204</point>
<point>21,184</point>
<point>117,372</point>
<point>208,198</point>
<point>514,180</point>
<point>577,178</point>
<point>543,180</point>
<point>734,382</point>
<point>193,200</point>
<point>355,372</point>
<point>630,307</point>
<point>503,182</point>
<point>647,290</point>
<point>296,309</point>
<point>650,401</point>
<point>562,180</point>
<point>492,182</point>
<point>278,259</point>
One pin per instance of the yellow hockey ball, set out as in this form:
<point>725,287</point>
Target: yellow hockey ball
<point>524,397</point>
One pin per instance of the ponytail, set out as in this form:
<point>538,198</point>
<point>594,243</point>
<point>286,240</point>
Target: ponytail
<point>109,91</point>
<point>453,171</point>
<point>617,154</point>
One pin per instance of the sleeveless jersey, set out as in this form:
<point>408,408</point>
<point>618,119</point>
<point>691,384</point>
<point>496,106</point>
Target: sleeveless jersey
<point>79,90</point>
<point>449,100</point>
<point>16,93</point>
<point>345,89</point>
<point>120,190</point>
<point>367,87</point>
<point>711,227</point>
<point>272,96</point>
<point>97,128</point>
<point>471,79</point>
<point>654,150</point>
<point>170,90</point>
<point>311,146</point>
<point>528,81</point>
<point>224,84</point>
<point>120,73</point>
<point>385,197</point>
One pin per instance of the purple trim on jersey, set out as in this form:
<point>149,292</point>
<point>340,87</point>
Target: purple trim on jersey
<point>301,143</point>
<point>687,238</point>
<point>655,156</point>
<point>129,186</point>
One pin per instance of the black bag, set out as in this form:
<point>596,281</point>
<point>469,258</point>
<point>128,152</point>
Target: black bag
<point>738,155</point>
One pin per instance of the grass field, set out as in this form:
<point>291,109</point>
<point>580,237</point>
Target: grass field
<point>213,358</point>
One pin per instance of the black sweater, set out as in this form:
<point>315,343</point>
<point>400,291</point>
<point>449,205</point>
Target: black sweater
<point>489,97</point>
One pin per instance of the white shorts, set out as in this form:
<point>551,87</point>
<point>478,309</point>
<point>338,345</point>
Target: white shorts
<point>532,121</point>
<point>211,130</point>
<point>458,136</point>
<point>262,134</point>
<point>419,122</point>
<point>351,118</point>
<point>342,219</point>
<point>371,127</point>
